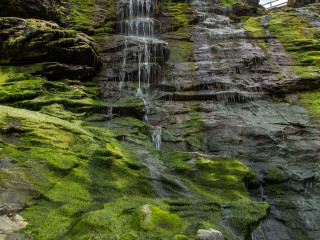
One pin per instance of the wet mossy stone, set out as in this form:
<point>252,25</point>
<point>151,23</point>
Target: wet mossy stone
<point>311,100</point>
<point>181,237</point>
<point>302,43</point>
<point>25,41</point>
<point>154,219</point>
<point>181,14</point>
<point>22,86</point>
<point>81,197</point>
<point>89,16</point>
<point>273,175</point>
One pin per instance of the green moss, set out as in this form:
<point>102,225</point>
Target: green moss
<point>155,219</point>
<point>72,178</point>
<point>19,88</point>
<point>180,12</point>
<point>312,102</point>
<point>181,48</point>
<point>80,14</point>
<point>193,128</point>
<point>177,160</point>
<point>300,40</point>
<point>58,110</point>
<point>252,179</point>
<point>181,237</point>
<point>273,175</point>
<point>223,174</point>
<point>15,85</point>
<point>217,181</point>
<point>254,26</point>
<point>228,2</point>
<point>93,187</point>
<point>83,15</point>
<point>180,52</point>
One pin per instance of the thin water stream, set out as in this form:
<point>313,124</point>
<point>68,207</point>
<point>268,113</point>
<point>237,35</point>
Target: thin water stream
<point>138,27</point>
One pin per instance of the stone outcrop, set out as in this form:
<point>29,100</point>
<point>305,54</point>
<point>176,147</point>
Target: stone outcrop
<point>41,9</point>
<point>299,3</point>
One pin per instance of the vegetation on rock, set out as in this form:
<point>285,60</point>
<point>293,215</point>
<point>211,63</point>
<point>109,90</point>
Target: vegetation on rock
<point>82,162</point>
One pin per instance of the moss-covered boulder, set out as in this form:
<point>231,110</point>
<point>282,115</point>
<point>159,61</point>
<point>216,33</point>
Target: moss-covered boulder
<point>25,41</point>
<point>155,219</point>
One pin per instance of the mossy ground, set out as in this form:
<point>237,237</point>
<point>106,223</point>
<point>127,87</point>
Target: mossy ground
<point>98,191</point>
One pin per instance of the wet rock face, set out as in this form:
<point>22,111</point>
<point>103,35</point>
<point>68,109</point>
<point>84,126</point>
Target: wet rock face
<point>299,3</point>
<point>42,9</point>
<point>231,77</point>
<point>237,10</point>
<point>254,3</point>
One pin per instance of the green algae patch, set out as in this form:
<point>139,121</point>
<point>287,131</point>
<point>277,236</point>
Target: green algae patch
<point>300,40</point>
<point>311,100</point>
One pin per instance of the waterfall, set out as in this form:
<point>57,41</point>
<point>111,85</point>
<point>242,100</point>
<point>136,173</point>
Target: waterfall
<point>143,53</point>
<point>156,137</point>
<point>110,112</point>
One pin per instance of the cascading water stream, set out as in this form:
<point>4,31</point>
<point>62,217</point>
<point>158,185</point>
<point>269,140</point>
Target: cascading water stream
<point>156,137</point>
<point>142,50</point>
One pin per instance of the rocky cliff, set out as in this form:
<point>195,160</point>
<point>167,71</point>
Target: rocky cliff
<point>159,119</point>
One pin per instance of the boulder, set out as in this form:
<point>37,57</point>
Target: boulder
<point>210,234</point>
<point>25,41</point>
<point>43,9</point>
